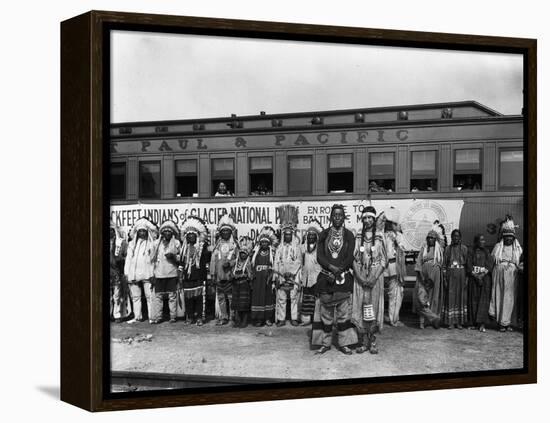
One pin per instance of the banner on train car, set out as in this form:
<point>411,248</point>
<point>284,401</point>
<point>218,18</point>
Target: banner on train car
<point>416,216</point>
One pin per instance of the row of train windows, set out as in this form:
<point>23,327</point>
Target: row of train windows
<point>467,174</point>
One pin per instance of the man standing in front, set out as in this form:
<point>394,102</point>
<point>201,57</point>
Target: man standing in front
<point>165,259</point>
<point>334,285</point>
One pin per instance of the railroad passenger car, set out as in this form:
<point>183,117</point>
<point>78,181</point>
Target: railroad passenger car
<point>460,163</point>
<point>427,160</point>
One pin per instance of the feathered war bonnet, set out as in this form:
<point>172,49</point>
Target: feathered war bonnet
<point>119,236</point>
<point>313,227</point>
<point>197,226</point>
<point>171,226</point>
<point>289,218</point>
<point>226,222</point>
<point>439,232</point>
<point>508,228</point>
<point>118,230</point>
<point>440,242</point>
<point>268,234</point>
<point>245,244</point>
<point>392,215</point>
<point>146,224</point>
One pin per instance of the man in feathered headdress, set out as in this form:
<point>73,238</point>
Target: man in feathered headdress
<point>368,268</point>
<point>242,280</point>
<point>427,297</point>
<point>394,275</point>
<point>310,270</point>
<point>334,285</point>
<point>287,266</point>
<point>262,304</point>
<point>117,252</point>
<point>507,254</point>
<point>193,268</point>
<point>221,266</point>
<point>138,267</point>
<point>165,270</point>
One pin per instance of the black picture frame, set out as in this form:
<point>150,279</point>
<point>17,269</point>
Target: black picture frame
<point>85,125</point>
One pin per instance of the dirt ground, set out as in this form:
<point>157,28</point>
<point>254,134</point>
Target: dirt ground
<point>285,353</point>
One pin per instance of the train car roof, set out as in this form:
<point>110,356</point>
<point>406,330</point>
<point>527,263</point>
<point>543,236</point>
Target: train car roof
<point>435,112</point>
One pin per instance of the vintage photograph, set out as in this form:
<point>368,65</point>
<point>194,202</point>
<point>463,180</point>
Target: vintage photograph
<point>286,211</point>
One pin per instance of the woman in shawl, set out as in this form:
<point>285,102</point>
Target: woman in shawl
<point>427,293</point>
<point>455,294</point>
<point>506,253</point>
<point>479,266</point>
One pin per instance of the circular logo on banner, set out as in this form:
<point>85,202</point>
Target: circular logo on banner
<point>419,219</point>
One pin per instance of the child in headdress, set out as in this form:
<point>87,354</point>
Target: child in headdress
<point>242,280</point>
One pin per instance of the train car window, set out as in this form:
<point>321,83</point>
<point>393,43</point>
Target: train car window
<point>186,178</point>
<point>299,175</point>
<point>423,171</point>
<point>261,175</point>
<point>511,169</point>
<point>118,181</point>
<point>381,172</point>
<point>467,170</point>
<point>149,179</point>
<point>340,173</point>
<point>223,177</point>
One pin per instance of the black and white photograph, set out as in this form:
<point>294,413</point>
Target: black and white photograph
<point>290,211</point>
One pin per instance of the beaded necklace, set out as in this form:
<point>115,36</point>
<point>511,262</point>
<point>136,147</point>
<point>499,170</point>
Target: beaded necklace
<point>335,241</point>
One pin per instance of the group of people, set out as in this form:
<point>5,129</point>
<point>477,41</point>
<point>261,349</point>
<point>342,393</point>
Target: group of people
<point>332,278</point>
